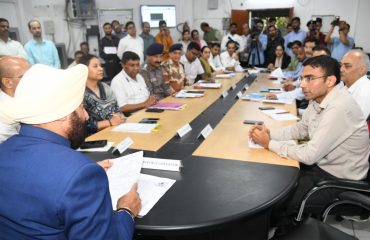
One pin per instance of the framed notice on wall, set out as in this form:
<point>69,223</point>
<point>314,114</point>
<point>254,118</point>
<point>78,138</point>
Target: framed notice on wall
<point>108,15</point>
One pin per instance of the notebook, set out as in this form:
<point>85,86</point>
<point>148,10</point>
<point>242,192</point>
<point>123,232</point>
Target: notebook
<point>168,106</point>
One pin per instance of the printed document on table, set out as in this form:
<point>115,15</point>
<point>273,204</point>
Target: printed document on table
<point>186,94</point>
<point>135,127</point>
<point>277,73</point>
<point>151,189</point>
<point>279,114</point>
<point>123,174</point>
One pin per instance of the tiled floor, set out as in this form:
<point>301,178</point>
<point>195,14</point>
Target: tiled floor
<point>361,230</point>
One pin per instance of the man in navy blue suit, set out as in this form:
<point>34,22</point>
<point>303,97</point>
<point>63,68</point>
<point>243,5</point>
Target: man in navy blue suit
<point>48,190</point>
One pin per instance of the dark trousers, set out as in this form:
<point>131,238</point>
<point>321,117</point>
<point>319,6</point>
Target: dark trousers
<point>309,176</point>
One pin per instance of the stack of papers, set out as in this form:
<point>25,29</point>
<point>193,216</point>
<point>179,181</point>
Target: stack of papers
<point>261,98</point>
<point>189,94</point>
<point>125,172</point>
<point>277,74</point>
<point>208,84</point>
<point>168,106</point>
<point>272,90</point>
<point>135,127</point>
<point>162,164</point>
<point>227,75</point>
<point>280,114</point>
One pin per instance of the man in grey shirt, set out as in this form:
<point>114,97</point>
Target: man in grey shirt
<point>338,139</point>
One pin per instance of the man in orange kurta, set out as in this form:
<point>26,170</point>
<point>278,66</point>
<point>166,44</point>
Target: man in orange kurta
<point>164,38</point>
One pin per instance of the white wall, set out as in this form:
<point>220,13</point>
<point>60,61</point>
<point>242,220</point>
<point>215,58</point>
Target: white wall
<point>192,11</point>
<point>355,12</point>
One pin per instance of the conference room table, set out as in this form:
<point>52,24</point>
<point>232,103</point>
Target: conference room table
<point>225,190</point>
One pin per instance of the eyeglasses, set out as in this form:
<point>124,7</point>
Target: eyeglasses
<point>310,78</point>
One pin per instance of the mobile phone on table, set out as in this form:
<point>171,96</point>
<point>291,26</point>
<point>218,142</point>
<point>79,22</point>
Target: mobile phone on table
<point>150,119</point>
<point>154,110</point>
<point>93,144</point>
<point>266,108</point>
<point>253,122</point>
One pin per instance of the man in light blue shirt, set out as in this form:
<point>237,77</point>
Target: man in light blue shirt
<point>296,34</point>
<point>41,50</point>
<point>342,44</point>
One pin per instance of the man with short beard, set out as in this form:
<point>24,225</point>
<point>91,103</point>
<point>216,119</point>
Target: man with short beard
<point>40,50</point>
<point>58,192</point>
<point>108,52</point>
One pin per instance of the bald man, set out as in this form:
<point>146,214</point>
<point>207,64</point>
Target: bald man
<point>11,71</point>
<point>353,69</point>
<point>58,193</point>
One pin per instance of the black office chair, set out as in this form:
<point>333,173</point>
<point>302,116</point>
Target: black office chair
<point>358,195</point>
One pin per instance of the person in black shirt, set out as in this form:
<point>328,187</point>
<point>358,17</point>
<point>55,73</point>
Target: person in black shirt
<point>273,40</point>
<point>108,52</point>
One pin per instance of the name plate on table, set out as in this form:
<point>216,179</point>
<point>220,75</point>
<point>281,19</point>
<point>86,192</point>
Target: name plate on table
<point>122,146</point>
<point>239,95</point>
<point>206,131</point>
<point>184,130</point>
<point>233,86</point>
<point>224,94</point>
<point>246,87</point>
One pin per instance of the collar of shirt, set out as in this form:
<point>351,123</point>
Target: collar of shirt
<point>4,96</point>
<point>357,84</point>
<point>36,42</point>
<point>327,100</point>
<point>127,77</point>
<point>41,133</point>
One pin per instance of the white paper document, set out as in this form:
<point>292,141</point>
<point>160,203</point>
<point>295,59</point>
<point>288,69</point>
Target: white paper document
<point>123,174</point>
<point>252,144</point>
<point>279,114</point>
<point>277,73</point>
<point>135,127</point>
<point>101,149</point>
<point>110,50</point>
<point>191,94</point>
<point>210,85</point>
<point>162,164</point>
<point>151,189</point>
<point>228,75</point>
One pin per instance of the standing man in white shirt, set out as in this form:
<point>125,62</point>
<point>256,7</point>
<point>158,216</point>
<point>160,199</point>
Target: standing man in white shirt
<point>9,47</point>
<point>231,35</point>
<point>353,69</point>
<point>191,63</point>
<point>131,42</point>
<point>11,72</point>
<point>129,86</point>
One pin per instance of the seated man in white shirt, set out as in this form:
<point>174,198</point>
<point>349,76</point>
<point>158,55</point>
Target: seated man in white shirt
<point>230,58</point>
<point>215,60</point>
<point>192,66</point>
<point>129,86</point>
<point>338,145</point>
<point>354,66</point>
<point>11,72</point>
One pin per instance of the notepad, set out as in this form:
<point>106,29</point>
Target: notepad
<point>210,85</point>
<point>259,97</point>
<point>168,106</point>
<point>189,94</point>
<point>229,75</point>
<point>135,127</point>
<point>162,164</point>
<point>279,114</point>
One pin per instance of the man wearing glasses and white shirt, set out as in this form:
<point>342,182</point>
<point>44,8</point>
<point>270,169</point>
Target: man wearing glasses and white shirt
<point>338,145</point>
<point>129,86</point>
